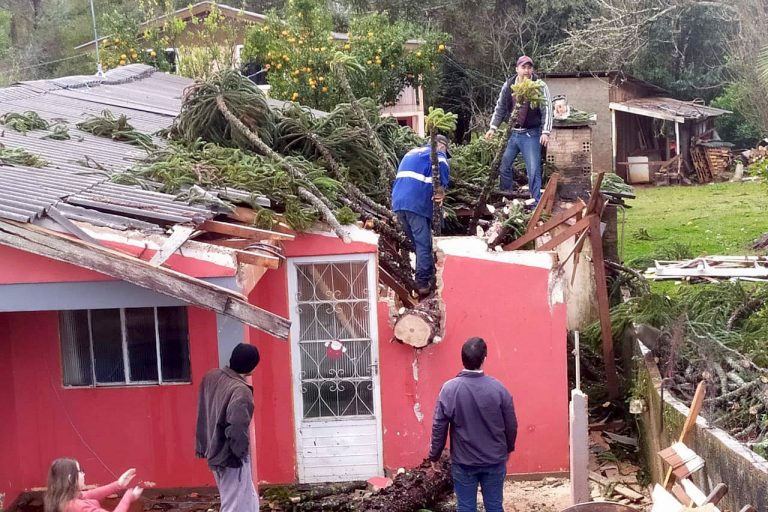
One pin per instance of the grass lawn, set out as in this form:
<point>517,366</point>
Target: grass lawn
<point>717,219</point>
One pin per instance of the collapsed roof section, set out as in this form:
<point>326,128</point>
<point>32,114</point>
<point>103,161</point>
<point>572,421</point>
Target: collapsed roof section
<point>70,210</point>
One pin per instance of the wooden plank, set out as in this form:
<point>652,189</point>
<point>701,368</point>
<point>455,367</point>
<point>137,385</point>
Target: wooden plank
<point>690,421</point>
<point>258,259</point>
<point>594,196</point>
<point>71,226</point>
<point>179,236</point>
<point>604,306</point>
<point>234,243</point>
<point>400,290</point>
<point>717,494</point>
<point>555,221</point>
<point>619,488</point>
<point>58,246</point>
<point>567,233</point>
<point>546,200</point>
<point>243,231</point>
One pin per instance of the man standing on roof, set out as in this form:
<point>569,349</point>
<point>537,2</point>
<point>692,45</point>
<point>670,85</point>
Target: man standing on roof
<point>412,197</point>
<point>530,131</point>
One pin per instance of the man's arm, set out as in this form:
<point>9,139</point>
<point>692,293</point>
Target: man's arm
<point>503,107</point>
<point>510,421</point>
<point>444,170</point>
<point>440,424</point>
<point>239,414</point>
<point>546,113</point>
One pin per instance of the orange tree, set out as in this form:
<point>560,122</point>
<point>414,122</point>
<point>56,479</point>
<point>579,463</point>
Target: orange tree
<point>296,49</point>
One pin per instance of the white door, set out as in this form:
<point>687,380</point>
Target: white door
<point>334,352</point>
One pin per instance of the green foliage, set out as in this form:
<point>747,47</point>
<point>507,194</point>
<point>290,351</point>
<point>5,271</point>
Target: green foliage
<point>24,122</point>
<point>529,91</point>
<point>115,128</point>
<point>759,168</point>
<point>127,43</point>
<point>19,156</point>
<point>738,127</point>
<point>440,121</point>
<point>5,29</point>
<point>298,47</point>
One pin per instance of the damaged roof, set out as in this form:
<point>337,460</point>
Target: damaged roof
<point>79,169</point>
<point>668,109</point>
<point>75,192</point>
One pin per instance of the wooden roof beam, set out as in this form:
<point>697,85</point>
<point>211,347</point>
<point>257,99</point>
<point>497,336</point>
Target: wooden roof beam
<point>194,291</point>
<point>243,231</point>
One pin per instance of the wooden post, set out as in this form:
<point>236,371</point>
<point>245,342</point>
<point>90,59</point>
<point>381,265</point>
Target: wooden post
<point>604,307</point>
<point>614,143</point>
<point>677,148</point>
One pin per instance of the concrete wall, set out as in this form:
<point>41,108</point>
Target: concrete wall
<point>726,460</point>
<point>591,95</point>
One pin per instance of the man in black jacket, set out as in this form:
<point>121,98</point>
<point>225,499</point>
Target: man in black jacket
<point>224,412</point>
<point>480,415</point>
<point>530,130</point>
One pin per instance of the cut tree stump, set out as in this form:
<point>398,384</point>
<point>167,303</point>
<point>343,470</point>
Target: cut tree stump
<point>419,326</point>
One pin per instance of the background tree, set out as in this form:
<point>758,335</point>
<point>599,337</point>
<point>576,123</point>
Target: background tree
<point>297,47</point>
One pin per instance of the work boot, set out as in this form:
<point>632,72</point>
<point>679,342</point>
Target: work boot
<point>423,290</point>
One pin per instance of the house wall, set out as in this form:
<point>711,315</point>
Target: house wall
<point>525,328</point>
<point>527,342</point>
<point>108,430</point>
<point>591,95</point>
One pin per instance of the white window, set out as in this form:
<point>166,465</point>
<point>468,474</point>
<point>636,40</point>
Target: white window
<point>136,346</point>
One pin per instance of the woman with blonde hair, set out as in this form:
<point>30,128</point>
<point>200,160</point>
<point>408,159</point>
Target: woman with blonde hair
<point>65,492</point>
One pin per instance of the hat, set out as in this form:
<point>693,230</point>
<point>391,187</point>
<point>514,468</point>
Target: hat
<point>244,358</point>
<point>524,60</point>
<point>442,139</point>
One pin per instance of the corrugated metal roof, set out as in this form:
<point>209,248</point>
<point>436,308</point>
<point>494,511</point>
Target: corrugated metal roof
<point>668,108</point>
<point>76,179</point>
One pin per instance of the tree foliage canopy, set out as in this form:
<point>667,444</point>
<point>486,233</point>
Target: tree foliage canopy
<point>297,46</point>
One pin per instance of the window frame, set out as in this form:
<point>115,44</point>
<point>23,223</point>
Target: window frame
<point>127,382</point>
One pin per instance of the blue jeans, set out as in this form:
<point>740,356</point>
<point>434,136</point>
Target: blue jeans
<point>526,142</point>
<point>491,481</point>
<point>419,230</point>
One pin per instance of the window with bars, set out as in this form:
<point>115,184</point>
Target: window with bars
<point>133,346</point>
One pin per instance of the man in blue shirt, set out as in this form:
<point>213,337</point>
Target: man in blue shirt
<point>412,195</point>
<point>479,413</point>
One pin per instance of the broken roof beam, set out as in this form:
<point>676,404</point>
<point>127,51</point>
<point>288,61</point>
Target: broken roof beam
<point>243,231</point>
<point>197,292</point>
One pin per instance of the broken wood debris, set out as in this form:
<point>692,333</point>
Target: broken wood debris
<point>752,268</point>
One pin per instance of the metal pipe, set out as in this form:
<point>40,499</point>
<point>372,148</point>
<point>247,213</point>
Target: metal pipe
<point>99,72</point>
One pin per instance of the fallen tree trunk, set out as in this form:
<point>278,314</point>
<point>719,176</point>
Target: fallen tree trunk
<point>419,326</point>
<point>413,490</point>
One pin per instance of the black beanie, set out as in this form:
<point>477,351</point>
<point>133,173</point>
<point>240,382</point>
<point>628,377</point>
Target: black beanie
<point>244,358</point>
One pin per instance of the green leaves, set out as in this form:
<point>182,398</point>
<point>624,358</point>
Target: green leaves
<point>440,121</point>
<point>115,128</point>
<point>530,91</point>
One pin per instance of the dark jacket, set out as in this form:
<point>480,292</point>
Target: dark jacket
<point>481,416</point>
<point>224,412</point>
<point>540,117</point>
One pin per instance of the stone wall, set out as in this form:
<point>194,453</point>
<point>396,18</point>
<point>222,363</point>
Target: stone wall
<point>726,460</point>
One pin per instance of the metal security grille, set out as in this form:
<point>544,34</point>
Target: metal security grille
<point>333,307</point>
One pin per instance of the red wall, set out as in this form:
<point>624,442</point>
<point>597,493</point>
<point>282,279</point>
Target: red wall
<point>108,430</point>
<point>508,306</point>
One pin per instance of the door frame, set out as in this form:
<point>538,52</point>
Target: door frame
<point>298,405</point>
